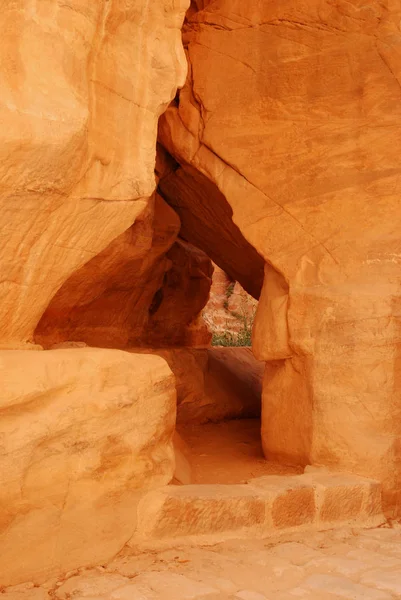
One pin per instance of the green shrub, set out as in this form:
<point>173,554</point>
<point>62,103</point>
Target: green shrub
<point>229,293</point>
<point>243,337</point>
<point>230,290</point>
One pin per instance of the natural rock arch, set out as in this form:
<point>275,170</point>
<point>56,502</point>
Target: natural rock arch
<point>298,153</point>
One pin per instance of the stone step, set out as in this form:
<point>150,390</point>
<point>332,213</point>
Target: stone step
<point>263,506</point>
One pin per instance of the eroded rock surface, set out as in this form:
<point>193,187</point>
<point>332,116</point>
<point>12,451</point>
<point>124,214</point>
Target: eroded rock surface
<point>230,311</point>
<point>214,384</point>
<point>146,288</point>
<point>291,114</point>
<point>84,434</point>
<point>83,85</point>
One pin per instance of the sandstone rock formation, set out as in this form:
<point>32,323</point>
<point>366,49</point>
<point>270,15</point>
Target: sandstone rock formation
<point>207,221</point>
<point>84,434</point>
<point>175,317</point>
<point>146,288</point>
<point>279,161</point>
<point>230,311</point>
<point>290,119</point>
<point>83,85</point>
<point>215,384</point>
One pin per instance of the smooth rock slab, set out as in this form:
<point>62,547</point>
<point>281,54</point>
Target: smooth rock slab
<point>336,564</point>
<point>249,595</point>
<point>391,582</point>
<point>343,587</point>
<point>172,585</point>
<point>271,503</point>
<point>373,558</point>
<point>84,433</point>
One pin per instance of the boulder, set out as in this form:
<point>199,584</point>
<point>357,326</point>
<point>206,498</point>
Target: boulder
<point>84,433</point>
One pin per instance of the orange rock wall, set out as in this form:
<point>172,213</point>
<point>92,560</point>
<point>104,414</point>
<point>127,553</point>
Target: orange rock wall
<point>291,112</point>
<point>229,308</point>
<point>85,432</point>
<point>83,84</point>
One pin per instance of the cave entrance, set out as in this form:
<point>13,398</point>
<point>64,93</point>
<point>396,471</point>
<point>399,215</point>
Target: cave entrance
<point>219,385</point>
<point>219,391</point>
<point>149,292</point>
<point>221,440</point>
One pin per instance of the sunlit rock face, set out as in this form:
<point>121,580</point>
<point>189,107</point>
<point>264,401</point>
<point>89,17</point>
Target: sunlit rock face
<point>291,114</point>
<point>85,433</point>
<point>278,160</point>
<point>230,311</point>
<point>83,84</point>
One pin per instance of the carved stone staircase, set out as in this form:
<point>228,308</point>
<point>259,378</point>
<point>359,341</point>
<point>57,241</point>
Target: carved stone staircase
<point>267,506</point>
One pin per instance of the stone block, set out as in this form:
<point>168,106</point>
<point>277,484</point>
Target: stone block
<point>342,587</point>
<point>341,503</point>
<point>373,501</point>
<point>85,433</point>
<point>201,509</point>
<point>344,497</point>
<point>293,508</point>
<point>384,580</point>
<point>292,501</point>
<point>263,505</point>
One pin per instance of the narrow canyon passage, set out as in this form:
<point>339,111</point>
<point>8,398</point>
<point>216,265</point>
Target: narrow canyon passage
<point>149,146</point>
<point>229,452</point>
<point>155,290</point>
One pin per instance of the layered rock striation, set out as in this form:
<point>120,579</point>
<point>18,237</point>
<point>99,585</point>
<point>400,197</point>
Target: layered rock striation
<point>290,120</point>
<point>83,85</point>
<point>84,433</point>
<point>278,160</point>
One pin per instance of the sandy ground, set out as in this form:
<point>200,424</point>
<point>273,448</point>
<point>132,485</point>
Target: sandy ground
<point>229,452</point>
<point>344,564</point>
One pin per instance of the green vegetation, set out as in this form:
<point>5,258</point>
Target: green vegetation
<point>229,293</point>
<point>243,337</point>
